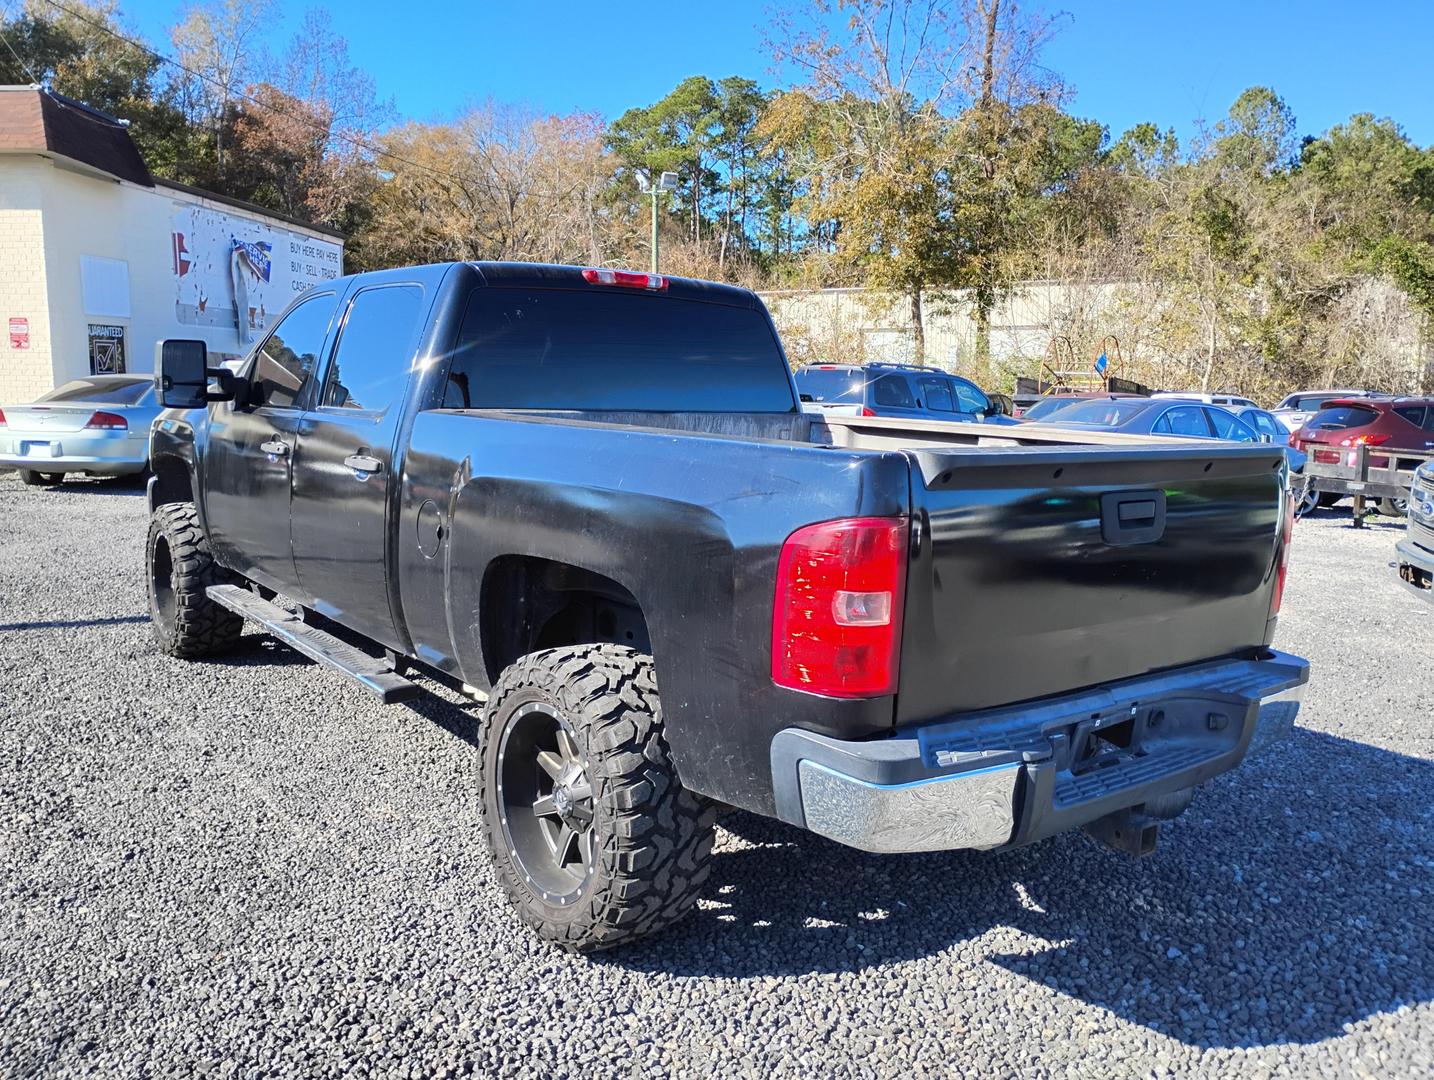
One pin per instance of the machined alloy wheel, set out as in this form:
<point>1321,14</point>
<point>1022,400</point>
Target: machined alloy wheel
<point>545,802</point>
<point>1307,496</point>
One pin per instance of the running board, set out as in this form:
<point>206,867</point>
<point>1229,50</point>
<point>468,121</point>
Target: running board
<point>374,674</point>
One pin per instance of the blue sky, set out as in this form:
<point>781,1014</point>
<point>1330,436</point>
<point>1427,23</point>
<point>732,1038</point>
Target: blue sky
<point>1172,62</point>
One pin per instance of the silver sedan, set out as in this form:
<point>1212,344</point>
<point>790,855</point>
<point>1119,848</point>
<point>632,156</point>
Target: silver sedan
<point>97,425</point>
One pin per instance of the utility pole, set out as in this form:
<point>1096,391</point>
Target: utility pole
<point>665,183</point>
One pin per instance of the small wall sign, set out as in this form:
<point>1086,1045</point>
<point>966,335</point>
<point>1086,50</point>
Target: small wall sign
<point>19,333</point>
<point>106,350</point>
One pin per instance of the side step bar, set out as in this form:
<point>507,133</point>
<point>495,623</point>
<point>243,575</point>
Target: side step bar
<point>373,673</point>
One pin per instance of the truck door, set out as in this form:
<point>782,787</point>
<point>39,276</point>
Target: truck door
<point>344,464</point>
<point>249,457</point>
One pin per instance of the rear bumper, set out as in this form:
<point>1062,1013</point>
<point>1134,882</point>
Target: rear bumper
<point>1416,566</point>
<point>1003,777</point>
<point>103,453</point>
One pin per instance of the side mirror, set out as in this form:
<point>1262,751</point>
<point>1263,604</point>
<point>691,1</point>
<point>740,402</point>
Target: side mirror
<point>182,374</point>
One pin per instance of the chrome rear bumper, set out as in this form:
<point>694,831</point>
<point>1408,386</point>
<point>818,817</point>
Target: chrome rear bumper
<point>1004,777</point>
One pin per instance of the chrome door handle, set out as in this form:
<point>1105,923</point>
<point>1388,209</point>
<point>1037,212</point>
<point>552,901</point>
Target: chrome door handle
<point>362,463</point>
<point>275,447</point>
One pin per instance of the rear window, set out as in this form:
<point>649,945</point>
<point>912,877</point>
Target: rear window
<point>613,349</point>
<point>1101,413</point>
<point>1309,402</point>
<point>833,386</point>
<point>1050,405</point>
<point>102,391</point>
<point>1343,416</point>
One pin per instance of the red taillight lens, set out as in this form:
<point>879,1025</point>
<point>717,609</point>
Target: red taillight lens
<point>107,421</point>
<point>865,411</point>
<point>1294,440</point>
<point>1372,439</point>
<point>1286,538</point>
<point>836,625</point>
<point>2,417</point>
<point>626,279</point>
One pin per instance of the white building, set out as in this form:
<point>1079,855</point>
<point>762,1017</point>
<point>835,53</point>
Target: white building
<point>99,260</point>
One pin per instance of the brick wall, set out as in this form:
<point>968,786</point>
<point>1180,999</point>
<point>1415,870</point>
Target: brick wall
<point>25,374</point>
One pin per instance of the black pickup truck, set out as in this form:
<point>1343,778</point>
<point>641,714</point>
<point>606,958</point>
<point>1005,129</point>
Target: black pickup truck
<point>593,498</point>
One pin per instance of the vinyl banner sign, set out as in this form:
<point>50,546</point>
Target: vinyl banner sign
<point>234,272</point>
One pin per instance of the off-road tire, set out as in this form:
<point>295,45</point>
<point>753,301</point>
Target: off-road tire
<point>186,623</point>
<point>653,838</point>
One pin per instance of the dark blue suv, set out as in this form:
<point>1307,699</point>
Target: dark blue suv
<point>897,390</point>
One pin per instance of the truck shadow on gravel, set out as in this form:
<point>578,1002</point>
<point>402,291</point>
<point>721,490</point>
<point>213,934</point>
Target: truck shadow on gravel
<point>1292,899</point>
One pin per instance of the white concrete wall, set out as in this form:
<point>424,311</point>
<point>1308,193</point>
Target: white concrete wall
<point>82,214</point>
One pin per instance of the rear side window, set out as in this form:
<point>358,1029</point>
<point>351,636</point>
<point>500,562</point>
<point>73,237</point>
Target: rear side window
<point>1188,420</point>
<point>1413,413</point>
<point>1264,423</point>
<point>375,350</point>
<point>614,349</point>
<point>834,386</point>
<point>287,360</point>
<point>893,391</point>
<point>1343,416</point>
<point>936,394</point>
<point>102,391</point>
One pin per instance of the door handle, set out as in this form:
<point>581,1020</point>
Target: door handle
<point>275,447</point>
<point>363,465</point>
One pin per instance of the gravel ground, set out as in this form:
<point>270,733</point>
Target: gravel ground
<point>248,869</point>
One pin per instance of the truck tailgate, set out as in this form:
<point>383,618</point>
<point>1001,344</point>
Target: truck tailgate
<point>1040,570</point>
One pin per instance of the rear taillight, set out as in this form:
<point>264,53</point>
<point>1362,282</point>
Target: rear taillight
<point>2,417</point>
<point>1372,439</point>
<point>1287,536</point>
<point>107,421</point>
<point>626,279</point>
<point>867,411</point>
<point>836,624</point>
<point>1294,440</point>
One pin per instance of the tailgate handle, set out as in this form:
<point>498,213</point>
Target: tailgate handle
<point>1132,517</point>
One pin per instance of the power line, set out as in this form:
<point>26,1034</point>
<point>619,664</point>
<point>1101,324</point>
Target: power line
<point>248,98</point>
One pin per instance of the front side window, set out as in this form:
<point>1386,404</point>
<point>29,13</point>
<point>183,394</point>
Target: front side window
<point>971,398</point>
<point>287,360</point>
<point>893,391</point>
<point>936,393</point>
<point>375,350</point>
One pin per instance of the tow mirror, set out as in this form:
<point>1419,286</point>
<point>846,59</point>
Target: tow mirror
<point>182,374</point>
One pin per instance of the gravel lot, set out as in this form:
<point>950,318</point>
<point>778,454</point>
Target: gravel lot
<point>248,869</point>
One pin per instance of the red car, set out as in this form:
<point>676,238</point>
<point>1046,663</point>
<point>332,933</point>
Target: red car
<point>1405,423</point>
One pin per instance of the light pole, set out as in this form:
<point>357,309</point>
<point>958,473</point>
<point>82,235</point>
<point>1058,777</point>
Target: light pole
<point>665,183</point>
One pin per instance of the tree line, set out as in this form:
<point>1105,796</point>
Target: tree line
<point>921,150</point>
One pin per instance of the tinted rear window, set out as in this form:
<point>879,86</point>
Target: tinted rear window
<point>1310,402</point>
<point>1343,416</point>
<point>1101,413</point>
<point>1050,405</point>
<point>105,391</point>
<point>613,349</point>
<point>832,385</point>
